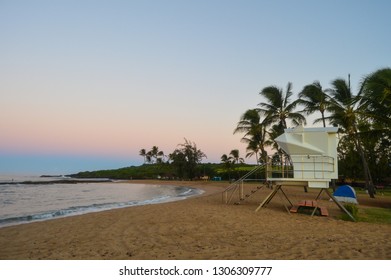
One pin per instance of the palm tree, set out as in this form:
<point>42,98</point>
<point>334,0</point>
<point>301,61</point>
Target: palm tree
<point>376,96</point>
<point>235,156</point>
<point>227,161</point>
<point>154,155</point>
<point>143,153</point>
<point>256,146</point>
<point>255,133</point>
<point>236,159</point>
<point>277,111</point>
<point>278,108</point>
<point>314,99</point>
<point>275,131</point>
<point>160,157</point>
<point>376,101</point>
<point>252,148</point>
<point>345,113</point>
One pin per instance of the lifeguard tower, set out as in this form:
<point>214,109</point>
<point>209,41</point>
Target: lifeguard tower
<point>313,155</point>
<point>312,163</point>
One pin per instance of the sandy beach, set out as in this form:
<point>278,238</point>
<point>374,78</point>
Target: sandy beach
<point>202,228</point>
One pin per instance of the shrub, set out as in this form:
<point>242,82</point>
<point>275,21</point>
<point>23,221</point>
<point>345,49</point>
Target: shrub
<point>352,208</point>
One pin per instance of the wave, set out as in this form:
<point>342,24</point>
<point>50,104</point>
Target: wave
<point>186,191</point>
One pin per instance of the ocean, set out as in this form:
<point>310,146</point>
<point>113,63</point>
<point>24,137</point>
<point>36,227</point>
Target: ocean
<point>25,199</point>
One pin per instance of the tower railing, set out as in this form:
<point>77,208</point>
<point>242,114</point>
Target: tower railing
<point>302,167</point>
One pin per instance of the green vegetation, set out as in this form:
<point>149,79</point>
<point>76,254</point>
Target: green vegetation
<point>185,159</point>
<point>168,171</point>
<point>375,215</point>
<point>145,171</point>
<point>368,215</point>
<point>353,209</point>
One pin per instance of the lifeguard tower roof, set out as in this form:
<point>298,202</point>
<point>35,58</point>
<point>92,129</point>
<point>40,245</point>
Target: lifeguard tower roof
<point>308,141</point>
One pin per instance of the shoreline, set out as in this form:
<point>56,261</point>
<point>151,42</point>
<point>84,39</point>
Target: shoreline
<point>199,227</point>
<point>45,214</point>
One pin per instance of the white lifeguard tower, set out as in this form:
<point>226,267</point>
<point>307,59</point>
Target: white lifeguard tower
<point>313,154</point>
<point>314,162</point>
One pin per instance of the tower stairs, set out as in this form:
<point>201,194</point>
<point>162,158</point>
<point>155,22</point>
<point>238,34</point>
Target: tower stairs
<point>235,193</point>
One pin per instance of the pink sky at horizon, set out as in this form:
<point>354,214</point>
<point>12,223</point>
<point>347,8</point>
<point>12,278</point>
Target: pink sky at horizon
<point>108,78</point>
<point>46,130</point>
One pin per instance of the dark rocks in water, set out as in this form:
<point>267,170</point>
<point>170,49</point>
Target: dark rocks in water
<point>63,181</point>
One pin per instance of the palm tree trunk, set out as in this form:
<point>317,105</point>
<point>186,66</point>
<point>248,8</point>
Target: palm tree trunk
<point>263,154</point>
<point>323,119</point>
<point>367,174</point>
<point>282,164</point>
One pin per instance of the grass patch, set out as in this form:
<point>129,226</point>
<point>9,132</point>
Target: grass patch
<point>375,215</point>
<point>371,215</point>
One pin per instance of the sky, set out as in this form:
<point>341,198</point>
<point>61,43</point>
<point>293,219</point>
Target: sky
<point>84,85</point>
